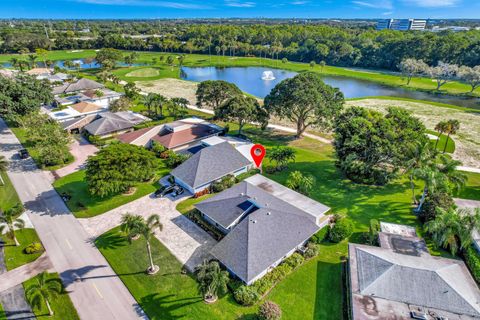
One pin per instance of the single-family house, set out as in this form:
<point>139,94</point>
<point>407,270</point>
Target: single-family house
<point>84,90</point>
<point>177,135</point>
<point>77,111</point>
<point>107,124</point>
<point>264,223</point>
<point>401,280</point>
<point>208,165</point>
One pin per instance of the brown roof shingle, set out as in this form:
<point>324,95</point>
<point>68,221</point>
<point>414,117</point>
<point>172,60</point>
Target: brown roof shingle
<point>176,139</point>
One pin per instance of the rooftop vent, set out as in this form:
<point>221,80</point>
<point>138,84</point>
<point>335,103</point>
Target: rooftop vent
<point>254,221</point>
<point>269,213</point>
<point>242,194</point>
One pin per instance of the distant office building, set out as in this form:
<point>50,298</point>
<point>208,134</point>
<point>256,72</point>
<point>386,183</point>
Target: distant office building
<point>402,24</point>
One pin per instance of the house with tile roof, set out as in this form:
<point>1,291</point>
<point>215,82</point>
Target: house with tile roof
<point>264,223</point>
<point>77,111</point>
<point>107,124</point>
<point>401,280</point>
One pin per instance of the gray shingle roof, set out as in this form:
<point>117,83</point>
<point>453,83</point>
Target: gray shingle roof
<point>261,239</point>
<point>80,85</point>
<point>210,164</point>
<point>427,281</point>
<point>279,227</point>
<point>108,122</point>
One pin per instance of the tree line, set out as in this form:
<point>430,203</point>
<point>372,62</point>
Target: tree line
<point>336,45</point>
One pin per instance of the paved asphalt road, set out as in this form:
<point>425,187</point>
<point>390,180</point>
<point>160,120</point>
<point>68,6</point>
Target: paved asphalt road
<point>95,290</point>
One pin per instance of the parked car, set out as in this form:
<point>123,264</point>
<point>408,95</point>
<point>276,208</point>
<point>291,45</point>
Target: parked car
<point>177,190</point>
<point>164,190</point>
<point>23,153</point>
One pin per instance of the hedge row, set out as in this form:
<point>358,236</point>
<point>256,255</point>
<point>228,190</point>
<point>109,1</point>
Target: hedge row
<point>472,259</point>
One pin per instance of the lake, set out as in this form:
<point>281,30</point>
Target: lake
<point>249,79</point>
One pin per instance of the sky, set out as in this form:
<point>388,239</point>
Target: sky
<point>151,9</point>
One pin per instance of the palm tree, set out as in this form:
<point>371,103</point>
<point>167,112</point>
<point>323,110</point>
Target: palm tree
<point>11,223</point>
<point>130,225</point>
<point>433,180</point>
<point>44,290</point>
<point>440,128</point>
<point>212,280</point>
<point>146,228</point>
<point>448,167</point>
<point>420,156</point>
<point>451,128</point>
<point>453,228</point>
<point>32,58</point>
<point>149,101</point>
<point>178,106</point>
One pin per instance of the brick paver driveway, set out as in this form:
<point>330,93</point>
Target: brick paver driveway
<point>81,149</point>
<point>185,240</point>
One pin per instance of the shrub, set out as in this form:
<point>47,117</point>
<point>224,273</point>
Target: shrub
<point>432,202</point>
<point>342,229</point>
<point>34,247</point>
<point>294,261</point>
<point>371,236</point>
<point>234,284</point>
<point>246,175</point>
<point>201,193</point>
<point>174,159</point>
<point>159,150</point>
<point>312,250</point>
<point>246,296</point>
<point>269,311</point>
<point>224,183</point>
<point>263,285</point>
<point>320,235</point>
<point>472,259</point>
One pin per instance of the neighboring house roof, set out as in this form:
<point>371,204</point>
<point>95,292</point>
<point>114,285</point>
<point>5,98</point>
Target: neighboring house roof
<point>108,122</point>
<point>85,107</point>
<point>189,134</point>
<point>80,85</point>
<point>269,227</point>
<point>38,71</point>
<point>429,282</point>
<point>78,123</point>
<point>210,164</point>
<point>130,137</point>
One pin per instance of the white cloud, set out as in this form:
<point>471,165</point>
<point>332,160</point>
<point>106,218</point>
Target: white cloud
<point>146,3</point>
<point>240,4</point>
<point>432,3</point>
<point>378,4</point>
<point>388,13</point>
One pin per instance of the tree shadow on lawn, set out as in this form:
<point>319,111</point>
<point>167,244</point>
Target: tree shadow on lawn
<point>163,307</point>
<point>111,241</point>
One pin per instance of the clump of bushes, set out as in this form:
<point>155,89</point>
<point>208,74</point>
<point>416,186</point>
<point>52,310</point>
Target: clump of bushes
<point>201,193</point>
<point>294,261</point>
<point>269,311</point>
<point>34,247</point>
<point>159,150</point>
<point>246,175</point>
<point>224,183</point>
<point>342,229</point>
<point>371,237</point>
<point>246,295</point>
<point>320,236</point>
<point>96,140</point>
<point>312,250</point>
<point>174,159</point>
<point>432,202</point>
<point>472,259</point>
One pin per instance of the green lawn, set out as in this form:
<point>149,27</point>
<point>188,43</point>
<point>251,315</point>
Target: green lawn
<point>450,148</point>
<point>198,60</point>
<point>2,313</point>
<point>15,256</point>
<point>8,195</point>
<point>472,189</point>
<point>188,205</point>
<point>84,205</point>
<point>143,73</point>
<point>61,305</point>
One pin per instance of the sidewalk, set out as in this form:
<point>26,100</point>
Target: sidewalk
<point>21,274</point>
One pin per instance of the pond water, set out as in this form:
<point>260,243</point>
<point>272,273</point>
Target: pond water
<point>84,64</point>
<point>249,79</point>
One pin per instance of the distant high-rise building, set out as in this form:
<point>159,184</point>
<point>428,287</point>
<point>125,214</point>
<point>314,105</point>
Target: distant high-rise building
<point>402,24</point>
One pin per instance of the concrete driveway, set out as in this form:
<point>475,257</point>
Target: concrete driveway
<point>81,149</point>
<point>185,240</point>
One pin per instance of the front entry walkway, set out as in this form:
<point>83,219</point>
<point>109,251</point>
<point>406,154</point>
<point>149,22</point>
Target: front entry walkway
<point>185,240</point>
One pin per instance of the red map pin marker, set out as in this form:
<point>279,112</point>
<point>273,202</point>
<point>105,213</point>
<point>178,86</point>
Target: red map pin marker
<point>258,153</point>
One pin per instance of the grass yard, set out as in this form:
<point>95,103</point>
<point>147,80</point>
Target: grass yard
<point>472,189</point>
<point>15,256</point>
<point>61,305</point>
<point>84,205</point>
<point>450,148</point>
<point>2,313</point>
<point>8,195</point>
